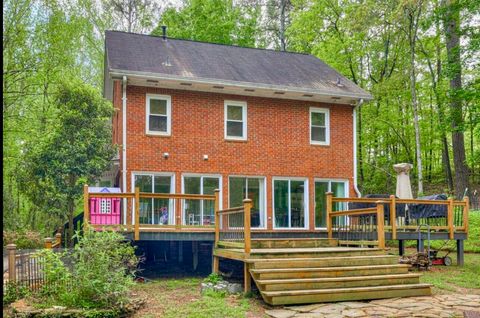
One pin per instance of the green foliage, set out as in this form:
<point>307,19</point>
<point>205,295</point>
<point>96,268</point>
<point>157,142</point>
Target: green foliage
<point>367,42</point>
<point>104,269</point>
<point>56,274</point>
<point>77,149</point>
<point>213,278</point>
<point>23,239</point>
<point>100,277</point>
<point>13,292</point>
<point>217,21</point>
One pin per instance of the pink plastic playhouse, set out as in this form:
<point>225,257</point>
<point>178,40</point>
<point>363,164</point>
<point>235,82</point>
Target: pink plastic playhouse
<point>104,210</point>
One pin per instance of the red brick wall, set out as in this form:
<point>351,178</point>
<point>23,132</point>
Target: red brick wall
<point>278,142</point>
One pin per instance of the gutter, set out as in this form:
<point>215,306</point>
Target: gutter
<point>355,185</point>
<point>288,89</point>
<point>124,144</point>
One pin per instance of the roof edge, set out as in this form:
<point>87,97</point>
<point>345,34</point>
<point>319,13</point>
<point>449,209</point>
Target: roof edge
<point>117,72</point>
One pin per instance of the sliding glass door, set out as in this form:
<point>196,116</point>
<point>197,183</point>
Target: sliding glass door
<point>199,212</point>
<point>155,211</point>
<point>290,202</point>
<point>240,188</point>
<point>339,189</point>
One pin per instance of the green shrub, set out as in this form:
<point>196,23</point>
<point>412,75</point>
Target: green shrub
<point>213,278</point>
<point>12,292</point>
<point>101,276</point>
<point>56,275</point>
<point>104,270</point>
<point>23,239</point>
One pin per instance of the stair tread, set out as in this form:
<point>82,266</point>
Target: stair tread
<point>291,239</point>
<point>308,250</point>
<point>334,279</point>
<point>333,268</point>
<point>343,290</point>
<point>272,260</point>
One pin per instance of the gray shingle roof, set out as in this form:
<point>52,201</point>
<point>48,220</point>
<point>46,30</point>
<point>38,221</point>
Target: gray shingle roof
<point>137,53</point>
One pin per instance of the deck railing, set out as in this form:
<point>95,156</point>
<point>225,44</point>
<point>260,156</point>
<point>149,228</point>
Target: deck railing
<point>232,228</point>
<point>356,225</point>
<point>132,218</point>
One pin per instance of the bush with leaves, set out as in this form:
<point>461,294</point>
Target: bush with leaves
<point>23,239</point>
<point>104,270</point>
<point>13,292</point>
<point>100,276</point>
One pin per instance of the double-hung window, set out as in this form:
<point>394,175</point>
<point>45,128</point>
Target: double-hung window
<point>319,126</point>
<point>322,186</point>
<point>240,188</point>
<point>199,212</point>
<point>155,211</point>
<point>235,120</point>
<point>290,202</point>
<point>158,115</point>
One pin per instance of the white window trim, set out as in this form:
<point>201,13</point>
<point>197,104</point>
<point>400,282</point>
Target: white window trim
<point>244,117</point>
<point>201,175</point>
<point>169,115</point>
<point>325,111</point>
<point>305,198</point>
<point>264,216</point>
<point>172,203</point>
<point>347,187</point>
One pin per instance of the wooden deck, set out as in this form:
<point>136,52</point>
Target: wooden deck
<point>310,271</point>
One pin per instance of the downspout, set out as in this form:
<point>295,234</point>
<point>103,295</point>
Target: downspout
<point>124,145</point>
<point>355,186</point>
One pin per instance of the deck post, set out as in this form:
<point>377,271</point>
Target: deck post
<point>380,224</point>
<point>178,216</point>
<point>247,206</point>
<point>48,243</point>
<point>11,248</point>
<point>328,211</point>
<point>216,264</point>
<point>247,279</point>
<point>86,208</point>
<point>393,216</point>
<point>460,259</point>
<point>465,213</point>
<point>137,214</point>
<point>450,218</point>
<point>420,245</point>
<point>401,247</point>
<point>58,239</point>
<point>217,219</point>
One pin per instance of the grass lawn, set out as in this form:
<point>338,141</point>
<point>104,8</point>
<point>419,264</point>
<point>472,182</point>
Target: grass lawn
<point>448,279</point>
<point>172,298</point>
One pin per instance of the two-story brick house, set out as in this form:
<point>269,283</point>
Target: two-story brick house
<point>190,117</point>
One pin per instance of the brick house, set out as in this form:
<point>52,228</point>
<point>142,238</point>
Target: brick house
<point>190,117</point>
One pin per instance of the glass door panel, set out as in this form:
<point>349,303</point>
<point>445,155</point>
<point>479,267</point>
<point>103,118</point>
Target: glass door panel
<point>280,193</point>
<point>192,208</point>
<point>162,208</point>
<point>297,208</point>
<point>209,186</point>
<point>144,183</point>
<point>321,188</point>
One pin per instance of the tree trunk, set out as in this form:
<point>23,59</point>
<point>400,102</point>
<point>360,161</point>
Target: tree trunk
<point>283,5</point>
<point>413,91</point>
<point>71,210</point>
<point>452,36</point>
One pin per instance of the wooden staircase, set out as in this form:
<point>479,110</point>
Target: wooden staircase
<point>297,271</point>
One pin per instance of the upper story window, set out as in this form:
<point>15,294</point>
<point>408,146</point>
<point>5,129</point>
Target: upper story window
<point>235,120</point>
<point>319,126</point>
<point>158,115</point>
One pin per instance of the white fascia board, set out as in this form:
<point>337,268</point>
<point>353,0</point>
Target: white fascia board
<point>174,78</point>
